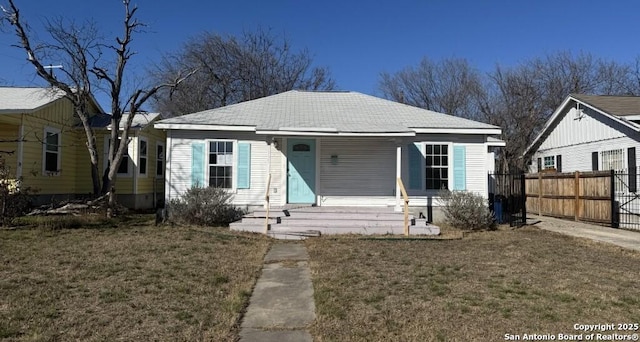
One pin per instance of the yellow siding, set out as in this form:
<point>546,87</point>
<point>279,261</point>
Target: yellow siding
<point>8,145</point>
<point>83,166</point>
<point>147,184</point>
<point>74,176</point>
<point>58,115</point>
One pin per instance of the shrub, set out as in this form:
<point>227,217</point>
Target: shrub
<point>466,210</point>
<point>14,197</point>
<point>204,206</point>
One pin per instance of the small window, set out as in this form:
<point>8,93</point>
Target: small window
<point>159,160</point>
<point>220,164</point>
<point>549,162</point>
<point>51,151</point>
<point>124,169</point>
<point>301,148</point>
<point>142,157</point>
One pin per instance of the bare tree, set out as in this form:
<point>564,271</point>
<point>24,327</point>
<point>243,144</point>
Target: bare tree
<point>235,69</point>
<point>82,49</point>
<point>521,99</point>
<point>75,45</point>
<point>450,86</point>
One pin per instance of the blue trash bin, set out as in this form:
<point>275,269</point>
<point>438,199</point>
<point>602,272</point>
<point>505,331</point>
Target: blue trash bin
<point>497,210</point>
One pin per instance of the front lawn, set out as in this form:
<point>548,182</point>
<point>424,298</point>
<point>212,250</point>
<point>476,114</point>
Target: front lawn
<point>130,283</point>
<point>480,288</point>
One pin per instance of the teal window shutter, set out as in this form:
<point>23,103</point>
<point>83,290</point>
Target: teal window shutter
<point>415,167</point>
<point>459,168</point>
<point>244,165</point>
<point>197,164</point>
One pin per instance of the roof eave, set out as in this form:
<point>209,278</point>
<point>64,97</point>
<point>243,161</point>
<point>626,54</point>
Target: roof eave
<point>497,143</point>
<point>203,127</point>
<point>334,133</point>
<point>448,130</point>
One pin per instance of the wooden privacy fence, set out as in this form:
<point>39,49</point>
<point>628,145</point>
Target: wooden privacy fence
<point>582,196</point>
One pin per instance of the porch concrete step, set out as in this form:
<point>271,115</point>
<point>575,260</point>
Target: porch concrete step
<point>257,220</point>
<point>347,216</point>
<point>397,230</point>
<point>340,223</point>
<point>305,231</point>
<point>248,227</point>
<point>284,234</point>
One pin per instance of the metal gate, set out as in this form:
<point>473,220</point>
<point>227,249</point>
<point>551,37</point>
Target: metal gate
<point>625,201</point>
<point>507,198</point>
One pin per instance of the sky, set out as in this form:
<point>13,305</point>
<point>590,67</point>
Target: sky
<point>357,40</point>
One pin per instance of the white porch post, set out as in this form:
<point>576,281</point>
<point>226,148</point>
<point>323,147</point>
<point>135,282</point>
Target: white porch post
<point>398,206</point>
<point>267,180</point>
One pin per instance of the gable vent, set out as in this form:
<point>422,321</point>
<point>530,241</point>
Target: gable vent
<point>578,113</point>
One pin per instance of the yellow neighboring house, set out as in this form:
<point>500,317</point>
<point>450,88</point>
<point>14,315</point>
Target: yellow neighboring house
<point>43,142</point>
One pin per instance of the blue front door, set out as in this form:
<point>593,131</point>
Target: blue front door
<point>301,170</point>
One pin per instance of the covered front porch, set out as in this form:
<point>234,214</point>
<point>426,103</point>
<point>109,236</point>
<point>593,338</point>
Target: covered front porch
<point>336,171</point>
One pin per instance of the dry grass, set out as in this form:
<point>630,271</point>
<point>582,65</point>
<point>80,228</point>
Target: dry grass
<point>475,289</point>
<point>132,283</point>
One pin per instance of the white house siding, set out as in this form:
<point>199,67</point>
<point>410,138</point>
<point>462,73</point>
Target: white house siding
<point>364,174</point>
<point>591,126</point>
<point>578,157</point>
<point>476,165</point>
<point>179,171</point>
<point>575,139</point>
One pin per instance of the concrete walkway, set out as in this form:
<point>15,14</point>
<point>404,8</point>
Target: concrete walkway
<point>281,306</point>
<point>620,237</point>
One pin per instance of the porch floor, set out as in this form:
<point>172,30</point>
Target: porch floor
<point>299,222</point>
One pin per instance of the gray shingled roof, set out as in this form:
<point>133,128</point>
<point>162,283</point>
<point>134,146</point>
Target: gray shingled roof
<point>24,100</point>
<point>140,120</point>
<point>614,105</point>
<point>325,112</point>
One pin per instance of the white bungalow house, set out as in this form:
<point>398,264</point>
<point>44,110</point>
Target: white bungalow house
<point>327,149</point>
<point>588,133</point>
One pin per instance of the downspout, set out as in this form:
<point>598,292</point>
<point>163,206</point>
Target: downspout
<point>167,169</point>
<point>136,162</point>
<point>397,207</point>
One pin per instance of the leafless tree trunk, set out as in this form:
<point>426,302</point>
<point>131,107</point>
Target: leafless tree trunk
<point>80,46</point>
<point>75,46</point>
<point>132,102</point>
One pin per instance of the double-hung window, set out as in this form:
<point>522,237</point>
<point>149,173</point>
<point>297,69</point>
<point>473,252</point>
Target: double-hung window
<point>51,151</point>
<point>437,166</point>
<point>221,164</point>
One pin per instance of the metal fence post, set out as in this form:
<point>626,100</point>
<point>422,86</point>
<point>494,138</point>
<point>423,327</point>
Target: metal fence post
<point>614,214</point>
<point>524,198</point>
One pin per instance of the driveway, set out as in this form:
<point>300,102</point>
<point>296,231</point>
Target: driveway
<point>620,237</point>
